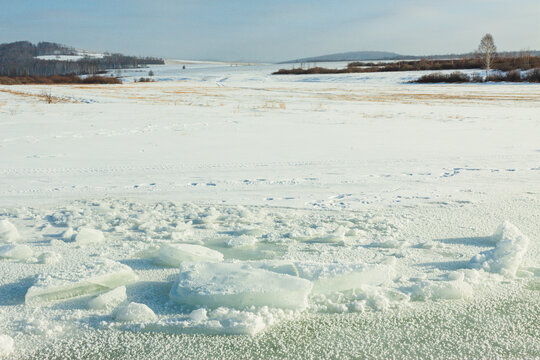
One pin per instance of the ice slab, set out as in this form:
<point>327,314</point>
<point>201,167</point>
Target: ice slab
<point>134,312</point>
<point>81,279</point>
<point>507,255</point>
<point>175,254</point>
<point>332,277</point>
<point>238,285</point>
<point>16,252</point>
<point>109,300</point>
<point>8,232</point>
<point>87,236</point>
<point>6,345</point>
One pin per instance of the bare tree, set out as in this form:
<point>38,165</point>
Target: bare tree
<point>487,50</point>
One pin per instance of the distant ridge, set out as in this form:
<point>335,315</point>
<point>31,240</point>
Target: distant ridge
<point>351,56</point>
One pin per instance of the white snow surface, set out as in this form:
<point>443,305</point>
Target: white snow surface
<point>378,195</point>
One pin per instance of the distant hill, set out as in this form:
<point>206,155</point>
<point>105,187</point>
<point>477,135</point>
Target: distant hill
<point>22,58</point>
<point>351,56</point>
<point>385,55</point>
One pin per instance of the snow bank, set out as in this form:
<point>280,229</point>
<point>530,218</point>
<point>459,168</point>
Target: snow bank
<point>175,254</point>
<point>84,279</point>
<point>8,232</point>
<point>88,236</point>
<point>109,300</point>
<point>6,345</point>
<point>16,252</point>
<point>508,253</point>
<point>238,285</point>
<point>134,312</point>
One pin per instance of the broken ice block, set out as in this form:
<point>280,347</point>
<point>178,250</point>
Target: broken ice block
<point>238,285</point>
<point>82,279</point>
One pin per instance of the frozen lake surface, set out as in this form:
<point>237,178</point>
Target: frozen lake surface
<point>222,212</point>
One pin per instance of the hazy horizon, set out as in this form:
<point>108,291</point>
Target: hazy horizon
<point>277,31</point>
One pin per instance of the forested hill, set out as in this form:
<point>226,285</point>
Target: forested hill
<point>46,59</point>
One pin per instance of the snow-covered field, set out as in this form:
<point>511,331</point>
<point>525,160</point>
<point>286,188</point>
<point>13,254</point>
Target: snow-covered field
<point>225,213</point>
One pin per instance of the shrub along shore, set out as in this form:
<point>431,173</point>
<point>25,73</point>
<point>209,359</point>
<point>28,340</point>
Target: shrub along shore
<point>57,79</point>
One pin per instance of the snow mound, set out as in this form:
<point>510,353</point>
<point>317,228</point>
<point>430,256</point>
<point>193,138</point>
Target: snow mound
<point>238,285</point>
<point>88,236</point>
<point>134,312</point>
<point>109,300</point>
<point>8,232</point>
<point>85,279</point>
<point>508,253</point>
<point>175,254</point>
<point>15,252</point>
<point>6,345</point>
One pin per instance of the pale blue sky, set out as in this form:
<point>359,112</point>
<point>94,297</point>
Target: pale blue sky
<point>271,30</point>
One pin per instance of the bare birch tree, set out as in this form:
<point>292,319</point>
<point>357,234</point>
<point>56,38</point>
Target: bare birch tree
<point>487,51</point>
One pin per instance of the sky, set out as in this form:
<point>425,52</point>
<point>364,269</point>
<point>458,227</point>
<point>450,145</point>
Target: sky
<point>276,30</point>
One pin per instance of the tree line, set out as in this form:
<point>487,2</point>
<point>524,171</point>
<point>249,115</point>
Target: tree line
<point>19,59</point>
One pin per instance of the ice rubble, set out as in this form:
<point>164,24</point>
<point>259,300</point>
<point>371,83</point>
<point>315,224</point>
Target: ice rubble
<point>175,254</point>
<point>134,312</point>
<point>8,232</point>
<point>87,236</point>
<point>508,253</point>
<point>238,285</point>
<point>221,321</point>
<point>85,279</point>
<point>15,252</point>
<point>6,345</point>
<point>108,300</point>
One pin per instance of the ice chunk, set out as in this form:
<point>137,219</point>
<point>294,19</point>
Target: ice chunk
<point>198,315</point>
<point>88,236</point>
<point>175,254</point>
<point>134,312</point>
<point>109,300</point>
<point>8,232</point>
<point>507,255</point>
<point>6,345</point>
<point>450,290</point>
<point>82,279</point>
<point>238,285</point>
<point>49,257</point>
<point>68,234</point>
<point>16,252</point>
<point>241,241</point>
